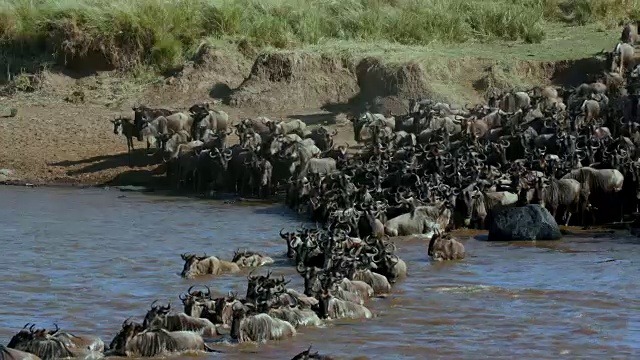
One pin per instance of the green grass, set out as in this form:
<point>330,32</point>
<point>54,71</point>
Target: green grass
<point>163,33</point>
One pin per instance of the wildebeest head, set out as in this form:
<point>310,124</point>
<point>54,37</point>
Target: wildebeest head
<point>292,242</point>
<point>308,355</point>
<point>190,262</point>
<point>128,331</point>
<point>323,303</point>
<point>193,301</point>
<point>155,313</point>
<point>23,335</point>
<point>117,126</point>
<point>254,281</point>
<point>199,111</point>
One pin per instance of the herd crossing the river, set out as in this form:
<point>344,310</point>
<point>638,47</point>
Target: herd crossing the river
<point>437,168</point>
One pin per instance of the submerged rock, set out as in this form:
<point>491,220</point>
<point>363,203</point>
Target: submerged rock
<point>132,188</point>
<point>531,222</point>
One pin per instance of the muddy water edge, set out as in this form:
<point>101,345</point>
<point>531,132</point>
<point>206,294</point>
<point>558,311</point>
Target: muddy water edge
<point>88,259</point>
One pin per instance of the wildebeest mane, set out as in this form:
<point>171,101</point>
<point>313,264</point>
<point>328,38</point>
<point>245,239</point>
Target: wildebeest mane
<point>589,177</point>
<point>46,348</point>
<point>154,342</point>
<point>7,353</point>
<point>262,327</point>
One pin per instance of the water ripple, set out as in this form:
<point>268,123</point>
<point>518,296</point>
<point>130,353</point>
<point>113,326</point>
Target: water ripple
<point>88,260</point>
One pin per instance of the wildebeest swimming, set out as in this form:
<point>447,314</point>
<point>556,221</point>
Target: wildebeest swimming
<point>574,151</point>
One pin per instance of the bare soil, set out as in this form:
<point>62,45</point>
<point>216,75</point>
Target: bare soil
<point>62,133</point>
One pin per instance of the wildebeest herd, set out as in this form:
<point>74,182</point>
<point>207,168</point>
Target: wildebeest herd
<point>436,168</point>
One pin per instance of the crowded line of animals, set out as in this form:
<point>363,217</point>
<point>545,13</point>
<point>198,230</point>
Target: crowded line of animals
<point>436,168</point>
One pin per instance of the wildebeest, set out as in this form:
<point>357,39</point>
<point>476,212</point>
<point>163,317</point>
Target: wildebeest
<point>248,258</point>
<point>160,317</point>
<point>171,124</point>
<point>421,220</point>
<point>206,265</point>
<point>445,247</point>
<point>134,340</point>
<point>144,114</point>
<point>41,343</point>
<point>295,316</point>
<point>322,138</point>
<point>257,327</point>
<point>331,307</point>
<point>479,203</point>
<point>554,193</point>
<point>206,118</point>
<point>13,354</point>
<point>629,34</point>
<point>123,126</point>
<point>293,126</point>
<point>308,355</point>
<point>623,58</point>
<point>379,283</point>
<point>598,182</point>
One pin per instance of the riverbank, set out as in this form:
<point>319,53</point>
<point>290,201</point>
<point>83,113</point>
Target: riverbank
<point>61,133</point>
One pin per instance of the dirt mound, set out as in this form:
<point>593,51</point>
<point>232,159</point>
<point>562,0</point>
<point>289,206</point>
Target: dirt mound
<point>382,80</point>
<point>278,81</point>
<point>213,73</point>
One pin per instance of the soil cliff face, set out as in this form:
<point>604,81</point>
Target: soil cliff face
<point>62,133</point>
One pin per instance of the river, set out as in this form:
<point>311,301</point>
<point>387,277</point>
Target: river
<point>89,258</point>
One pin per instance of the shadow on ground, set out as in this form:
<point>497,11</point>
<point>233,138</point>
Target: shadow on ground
<point>316,119</point>
<point>105,162</point>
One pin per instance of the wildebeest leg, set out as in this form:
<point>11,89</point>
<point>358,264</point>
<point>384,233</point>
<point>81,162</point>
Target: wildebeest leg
<point>196,181</point>
<point>129,149</point>
<point>621,205</point>
<point>568,216</point>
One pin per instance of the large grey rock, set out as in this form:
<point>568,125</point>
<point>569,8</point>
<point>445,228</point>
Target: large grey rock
<point>531,222</point>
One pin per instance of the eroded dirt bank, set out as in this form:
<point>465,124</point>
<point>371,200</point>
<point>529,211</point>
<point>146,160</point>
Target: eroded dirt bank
<point>62,133</point>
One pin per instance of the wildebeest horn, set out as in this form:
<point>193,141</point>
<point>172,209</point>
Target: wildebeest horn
<point>25,326</point>
<point>282,235</point>
<point>153,303</point>
<point>126,321</point>
<point>208,291</point>
<point>54,331</point>
<point>31,327</point>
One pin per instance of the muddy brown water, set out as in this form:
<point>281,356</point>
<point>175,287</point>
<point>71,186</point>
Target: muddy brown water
<point>88,259</point>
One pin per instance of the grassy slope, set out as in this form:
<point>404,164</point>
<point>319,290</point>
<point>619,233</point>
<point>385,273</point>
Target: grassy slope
<point>454,40</point>
<point>453,68</point>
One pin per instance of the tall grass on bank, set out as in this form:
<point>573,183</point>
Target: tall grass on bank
<point>162,33</point>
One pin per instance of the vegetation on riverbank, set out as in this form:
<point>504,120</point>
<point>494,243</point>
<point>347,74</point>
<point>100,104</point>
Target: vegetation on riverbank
<point>163,34</point>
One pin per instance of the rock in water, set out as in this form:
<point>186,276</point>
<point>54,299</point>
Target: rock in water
<point>531,222</point>
<point>132,188</point>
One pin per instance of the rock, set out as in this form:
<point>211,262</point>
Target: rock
<point>531,222</point>
<point>132,188</point>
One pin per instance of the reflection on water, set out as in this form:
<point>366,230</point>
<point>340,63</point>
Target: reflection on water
<point>88,259</point>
